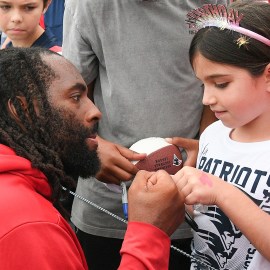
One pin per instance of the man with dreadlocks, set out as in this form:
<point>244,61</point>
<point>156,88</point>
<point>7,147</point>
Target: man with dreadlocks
<point>48,129</point>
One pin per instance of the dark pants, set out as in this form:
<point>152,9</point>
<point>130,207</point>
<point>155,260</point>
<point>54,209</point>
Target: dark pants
<point>104,253</point>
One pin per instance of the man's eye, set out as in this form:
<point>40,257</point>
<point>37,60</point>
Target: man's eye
<point>77,97</point>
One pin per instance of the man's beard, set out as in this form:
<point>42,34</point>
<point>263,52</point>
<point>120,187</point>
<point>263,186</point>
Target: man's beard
<point>69,137</point>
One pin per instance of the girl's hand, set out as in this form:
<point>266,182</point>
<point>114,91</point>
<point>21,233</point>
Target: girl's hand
<point>198,186</point>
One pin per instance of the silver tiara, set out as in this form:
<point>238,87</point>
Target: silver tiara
<point>212,15</point>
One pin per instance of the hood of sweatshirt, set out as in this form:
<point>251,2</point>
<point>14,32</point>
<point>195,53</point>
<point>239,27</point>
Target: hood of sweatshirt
<point>10,163</point>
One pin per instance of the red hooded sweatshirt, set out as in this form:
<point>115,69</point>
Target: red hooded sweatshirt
<point>34,235</point>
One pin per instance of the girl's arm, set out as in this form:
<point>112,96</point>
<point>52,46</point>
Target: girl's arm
<point>202,188</point>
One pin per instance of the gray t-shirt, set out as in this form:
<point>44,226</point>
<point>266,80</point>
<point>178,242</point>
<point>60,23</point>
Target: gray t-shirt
<point>138,53</point>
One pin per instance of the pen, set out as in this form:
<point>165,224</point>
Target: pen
<point>190,221</point>
<point>124,199</point>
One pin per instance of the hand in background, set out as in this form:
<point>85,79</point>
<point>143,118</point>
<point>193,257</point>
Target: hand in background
<point>116,163</point>
<point>154,198</point>
<point>191,147</point>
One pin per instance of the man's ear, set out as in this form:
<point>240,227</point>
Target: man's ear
<point>12,109</point>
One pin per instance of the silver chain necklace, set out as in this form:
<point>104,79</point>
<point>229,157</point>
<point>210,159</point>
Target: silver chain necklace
<point>124,221</point>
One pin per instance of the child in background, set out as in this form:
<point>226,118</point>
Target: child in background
<point>20,21</point>
<point>230,189</point>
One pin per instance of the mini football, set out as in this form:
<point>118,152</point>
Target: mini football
<point>161,155</point>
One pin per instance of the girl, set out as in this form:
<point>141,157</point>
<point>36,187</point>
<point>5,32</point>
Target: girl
<point>233,62</point>
<point>19,20</point>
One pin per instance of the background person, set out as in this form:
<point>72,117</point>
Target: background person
<point>20,21</point>
<point>134,57</point>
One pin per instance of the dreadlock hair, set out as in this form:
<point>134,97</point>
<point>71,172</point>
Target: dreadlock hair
<point>23,72</point>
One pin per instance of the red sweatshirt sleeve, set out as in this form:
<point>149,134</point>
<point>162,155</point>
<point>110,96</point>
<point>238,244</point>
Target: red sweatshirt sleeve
<point>145,247</point>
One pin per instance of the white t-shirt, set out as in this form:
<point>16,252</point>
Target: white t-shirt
<point>245,165</point>
<point>259,262</point>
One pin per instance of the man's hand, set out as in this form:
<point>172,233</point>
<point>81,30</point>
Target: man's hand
<point>191,147</point>
<point>154,198</point>
<point>116,163</point>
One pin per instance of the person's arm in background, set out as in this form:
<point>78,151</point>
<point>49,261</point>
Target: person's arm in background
<point>156,209</point>
<point>115,159</point>
<point>116,165</point>
<point>91,87</point>
<point>208,117</point>
<point>191,146</point>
